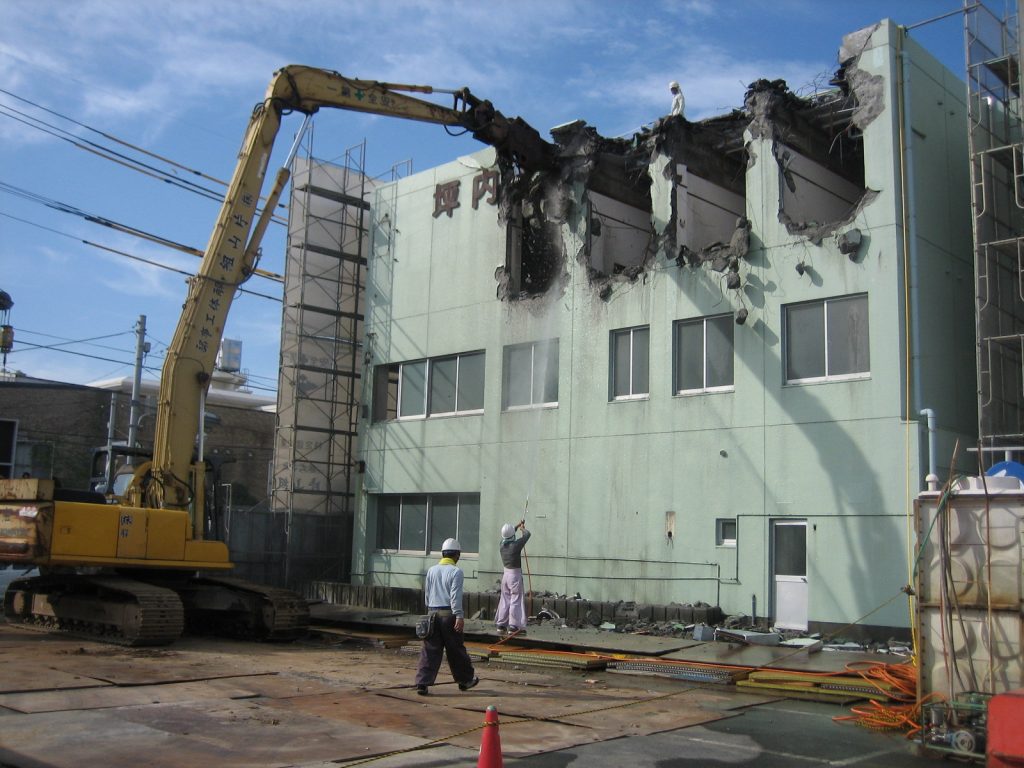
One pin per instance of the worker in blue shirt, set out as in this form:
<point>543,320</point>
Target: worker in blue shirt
<point>442,592</point>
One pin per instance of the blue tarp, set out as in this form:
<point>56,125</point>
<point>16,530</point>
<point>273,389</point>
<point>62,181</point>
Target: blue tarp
<point>1007,469</point>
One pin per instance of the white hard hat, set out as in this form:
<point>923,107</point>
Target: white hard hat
<point>508,531</point>
<point>673,84</point>
<point>451,545</point>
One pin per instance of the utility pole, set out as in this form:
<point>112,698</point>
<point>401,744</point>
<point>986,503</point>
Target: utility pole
<point>141,348</point>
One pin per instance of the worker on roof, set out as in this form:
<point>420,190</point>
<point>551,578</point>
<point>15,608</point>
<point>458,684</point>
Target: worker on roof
<point>678,102</point>
<point>511,615</point>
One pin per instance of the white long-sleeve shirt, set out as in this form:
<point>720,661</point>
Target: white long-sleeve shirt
<point>442,587</point>
<point>678,104</point>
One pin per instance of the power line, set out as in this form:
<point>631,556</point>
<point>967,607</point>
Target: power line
<point>101,220</point>
<point>57,348</point>
<point>63,340</point>
<point>156,371</point>
<point>110,137</point>
<point>107,154</point>
<point>260,272</point>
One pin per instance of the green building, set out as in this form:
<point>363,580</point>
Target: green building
<point>695,361</point>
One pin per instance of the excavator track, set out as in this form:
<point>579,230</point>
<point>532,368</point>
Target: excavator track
<point>230,607</point>
<point>109,609</point>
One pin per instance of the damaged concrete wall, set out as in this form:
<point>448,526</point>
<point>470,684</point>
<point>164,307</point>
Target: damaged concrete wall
<point>620,235</point>
<point>729,235</point>
<point>706,212</point>
<point>811,194</point>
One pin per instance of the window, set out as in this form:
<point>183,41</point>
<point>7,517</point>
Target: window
<point>530,375</point>
<point>421,522</point>
<point>703,354</point>
<point>629,363</point>
<point>8,441</point>
<point>725,532</point>
<point>827,340</point>
<point>412,389</point>
<point>440,386</point>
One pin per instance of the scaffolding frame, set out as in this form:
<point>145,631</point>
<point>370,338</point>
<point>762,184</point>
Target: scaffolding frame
<point>996,143</point>
<point>314,484</point>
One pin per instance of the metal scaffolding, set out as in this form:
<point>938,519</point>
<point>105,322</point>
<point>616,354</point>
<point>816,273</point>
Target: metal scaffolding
<point>314,476</point>
<point>992,50</point>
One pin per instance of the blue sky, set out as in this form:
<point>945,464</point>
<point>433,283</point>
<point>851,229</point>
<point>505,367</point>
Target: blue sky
<point>179,79</point>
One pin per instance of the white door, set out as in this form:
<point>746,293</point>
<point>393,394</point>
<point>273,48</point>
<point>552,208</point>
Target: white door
<point>789,571</point>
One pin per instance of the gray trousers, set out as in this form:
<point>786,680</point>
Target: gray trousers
<point>444,640</point>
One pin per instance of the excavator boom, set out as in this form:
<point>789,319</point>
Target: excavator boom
<point>156,534</point>
<point>232,251</point>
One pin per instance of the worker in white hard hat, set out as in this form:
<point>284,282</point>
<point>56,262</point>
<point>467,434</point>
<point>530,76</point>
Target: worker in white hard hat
<point>442,592</point>
<point>678,102</point>
<point>511,614</point>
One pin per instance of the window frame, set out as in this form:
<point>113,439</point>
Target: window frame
<point>613,366</point>
<point>827,377</point>
<point>426,407</point>
<point>677,326</point>
<point>549,346</point>
<point>463,499</point>
<point>422,414</point>
<point>721,540</point>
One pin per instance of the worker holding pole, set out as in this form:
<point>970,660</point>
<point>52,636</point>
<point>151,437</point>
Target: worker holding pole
<point>511,615</point>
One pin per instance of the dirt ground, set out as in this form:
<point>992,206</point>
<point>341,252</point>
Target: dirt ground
<point>67,702</point>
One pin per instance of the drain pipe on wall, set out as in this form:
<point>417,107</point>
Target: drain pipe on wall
<point>909,206</point>
<point>932,479</point>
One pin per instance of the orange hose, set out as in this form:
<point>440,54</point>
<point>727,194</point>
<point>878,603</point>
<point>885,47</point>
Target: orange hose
<point>905,711</point>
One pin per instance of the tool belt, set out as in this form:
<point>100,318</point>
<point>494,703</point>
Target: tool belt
<point>425,624</point>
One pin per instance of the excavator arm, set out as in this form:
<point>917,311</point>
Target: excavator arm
<point>142,554</point>
<point>231,254</point>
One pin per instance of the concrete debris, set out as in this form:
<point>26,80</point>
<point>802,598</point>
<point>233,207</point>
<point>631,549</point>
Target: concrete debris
<point>619,205</point>
<point>809,644</point>
<point>768,102</point>
<point>736,620</point>
<point>815,232</point>
<point>704,633</point>
<point>845,646</point>
<point>746,637</point>
<point>854,43</point>
<point>869,90</point>
<point>849,242</point>
<point>546,614</point>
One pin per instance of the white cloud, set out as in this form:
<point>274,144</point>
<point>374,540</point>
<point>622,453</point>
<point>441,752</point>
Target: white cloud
<point>140,280</point>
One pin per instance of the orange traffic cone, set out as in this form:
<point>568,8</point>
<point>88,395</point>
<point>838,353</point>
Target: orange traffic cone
<point>490,743</point>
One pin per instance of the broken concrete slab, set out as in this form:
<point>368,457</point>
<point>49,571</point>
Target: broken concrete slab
<point>748,637</point>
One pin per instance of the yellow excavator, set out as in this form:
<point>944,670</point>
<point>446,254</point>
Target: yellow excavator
<point>139,571</point>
